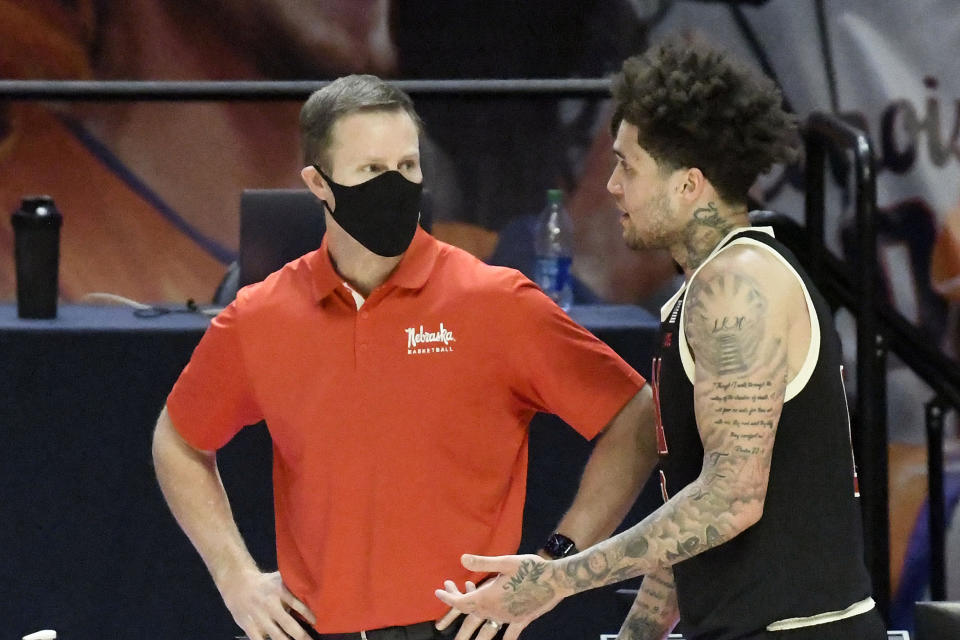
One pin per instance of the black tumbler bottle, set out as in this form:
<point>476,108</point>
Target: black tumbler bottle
<point>36,228</point>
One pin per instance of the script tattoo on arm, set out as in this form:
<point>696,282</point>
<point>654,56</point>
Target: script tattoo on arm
<point>737,331</point>
<point>654,612</point>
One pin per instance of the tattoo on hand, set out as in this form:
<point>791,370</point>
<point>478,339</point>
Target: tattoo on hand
<point>528,571</point>
<point>524,593</point>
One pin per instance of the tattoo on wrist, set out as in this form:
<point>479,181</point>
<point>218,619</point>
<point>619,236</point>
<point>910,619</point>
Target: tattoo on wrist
<point>528,571</point>
<point>525,593</point>
<point>587,570</point>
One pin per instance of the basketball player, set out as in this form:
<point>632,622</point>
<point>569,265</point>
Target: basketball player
<point>760,532</point>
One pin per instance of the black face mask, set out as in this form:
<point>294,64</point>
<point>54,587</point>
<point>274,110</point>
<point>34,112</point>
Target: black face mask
<point>381,214</point>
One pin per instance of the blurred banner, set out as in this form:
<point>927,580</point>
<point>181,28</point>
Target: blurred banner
<point>150,191</point>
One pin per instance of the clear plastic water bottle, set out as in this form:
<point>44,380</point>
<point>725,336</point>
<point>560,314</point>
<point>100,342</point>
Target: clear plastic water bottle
<point>553,242</point>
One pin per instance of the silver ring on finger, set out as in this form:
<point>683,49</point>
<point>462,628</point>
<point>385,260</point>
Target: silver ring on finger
<point>493,624</point>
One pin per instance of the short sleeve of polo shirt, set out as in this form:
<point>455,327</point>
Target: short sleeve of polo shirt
<point>561,368</point>
<point>212,399</point>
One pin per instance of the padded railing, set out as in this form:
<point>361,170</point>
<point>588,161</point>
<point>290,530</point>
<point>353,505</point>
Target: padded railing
<point>150,90</point>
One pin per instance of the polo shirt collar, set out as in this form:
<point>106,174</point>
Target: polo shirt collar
<point>411,273</point>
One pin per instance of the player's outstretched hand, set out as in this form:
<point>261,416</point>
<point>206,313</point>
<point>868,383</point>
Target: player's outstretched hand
<point>523,591</point>
<point>470,624</point>
<point>261,604</point>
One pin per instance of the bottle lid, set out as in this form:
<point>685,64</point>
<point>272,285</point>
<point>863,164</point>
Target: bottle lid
<point>554,196</point>
<point>37,211</point>
<point>40,205</point>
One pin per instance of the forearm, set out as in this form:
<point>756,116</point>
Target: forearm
<point>621,461</point>
<point>654,612</point>
<point>192,488</point>
<point>699,517</point>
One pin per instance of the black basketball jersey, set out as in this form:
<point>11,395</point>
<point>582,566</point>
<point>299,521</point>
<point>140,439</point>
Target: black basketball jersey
<point>805,555</point>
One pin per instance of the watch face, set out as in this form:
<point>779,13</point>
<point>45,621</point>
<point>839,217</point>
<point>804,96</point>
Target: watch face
<point>559,546</point>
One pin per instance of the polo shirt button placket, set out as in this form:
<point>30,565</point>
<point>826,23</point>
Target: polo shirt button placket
<point>362,334</point>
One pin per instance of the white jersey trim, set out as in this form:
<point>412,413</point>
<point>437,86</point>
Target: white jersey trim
<point>799,381</point>
<point>671,303</point>
<point>668,305</point>
<point>855,609</point>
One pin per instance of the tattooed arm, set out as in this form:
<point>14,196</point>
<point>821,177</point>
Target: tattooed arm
<point>654,613</point>
<point>737,328</point>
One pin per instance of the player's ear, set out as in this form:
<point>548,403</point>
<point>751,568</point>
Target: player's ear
<point>691,184</point>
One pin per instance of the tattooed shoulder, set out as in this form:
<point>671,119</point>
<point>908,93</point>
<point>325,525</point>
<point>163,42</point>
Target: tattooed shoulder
<point>725,317</point>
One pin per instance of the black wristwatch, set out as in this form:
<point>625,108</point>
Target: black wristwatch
<point>560,546</point>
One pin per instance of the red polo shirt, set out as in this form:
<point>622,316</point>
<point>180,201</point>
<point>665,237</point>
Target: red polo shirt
<point>400,429</point>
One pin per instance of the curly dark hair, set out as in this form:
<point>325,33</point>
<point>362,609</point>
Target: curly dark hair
<point>697,107</point>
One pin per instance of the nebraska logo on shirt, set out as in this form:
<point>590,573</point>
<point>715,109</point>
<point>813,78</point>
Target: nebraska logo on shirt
<point>429,342</point>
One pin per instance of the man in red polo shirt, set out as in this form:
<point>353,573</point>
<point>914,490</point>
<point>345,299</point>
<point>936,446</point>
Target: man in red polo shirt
<point>397,376</point>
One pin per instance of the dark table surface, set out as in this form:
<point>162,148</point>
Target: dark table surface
<point>176,318</point>
<point>90,548</point>
<point>91,318</point>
